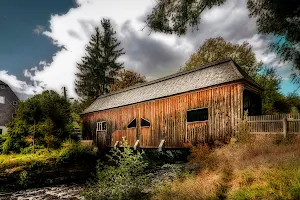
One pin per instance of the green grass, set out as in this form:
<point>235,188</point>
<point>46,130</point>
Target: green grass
<point>275,183</point>
<point>18,160</point>
<point>69,151</point>
<point>72,162</point>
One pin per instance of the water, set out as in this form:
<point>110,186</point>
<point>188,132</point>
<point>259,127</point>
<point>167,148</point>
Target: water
<point>66,192</point>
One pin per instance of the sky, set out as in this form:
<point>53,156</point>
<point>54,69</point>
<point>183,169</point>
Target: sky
<point>41,41</point>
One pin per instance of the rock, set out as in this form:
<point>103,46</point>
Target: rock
<point>218,143</point>
<point>232,141</point>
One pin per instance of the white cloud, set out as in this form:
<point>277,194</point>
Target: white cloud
<point>17,85</point>
<point>153,55</point>
<point>38,29</point>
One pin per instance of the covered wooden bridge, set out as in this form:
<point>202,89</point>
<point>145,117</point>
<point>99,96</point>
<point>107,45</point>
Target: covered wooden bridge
<point>196,106</point>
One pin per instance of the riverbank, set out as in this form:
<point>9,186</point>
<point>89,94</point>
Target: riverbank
<point>71,163</point>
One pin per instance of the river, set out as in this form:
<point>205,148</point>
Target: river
<point>66,192</point>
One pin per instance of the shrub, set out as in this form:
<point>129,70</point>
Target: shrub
<point>125,179</point>
<point>243,130</point>
<point>44,119</point>
<point>71,151</point>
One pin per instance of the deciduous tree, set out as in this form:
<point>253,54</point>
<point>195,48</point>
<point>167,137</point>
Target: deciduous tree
<point>278,17</point>
<point>215,49</point>
<point>127,78</point>
<point>43,120</point>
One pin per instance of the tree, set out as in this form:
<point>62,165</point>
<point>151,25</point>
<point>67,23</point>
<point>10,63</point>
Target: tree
<point>272,100</point>
<point>44,120</point>
<point>278,17</point>
<point>99,67</point>
<point>281,18</point>
<point>175,16</point>
<point>215,49</point>
<point>126,79</point>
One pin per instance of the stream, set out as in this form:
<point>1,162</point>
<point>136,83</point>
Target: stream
<point>66,192</point>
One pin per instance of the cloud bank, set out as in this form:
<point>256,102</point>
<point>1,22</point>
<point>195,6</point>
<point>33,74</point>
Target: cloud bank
<point>153,55</point>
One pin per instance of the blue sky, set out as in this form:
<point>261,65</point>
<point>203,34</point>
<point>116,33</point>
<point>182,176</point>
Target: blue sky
<point>21,48</point>
<point>33,33</point>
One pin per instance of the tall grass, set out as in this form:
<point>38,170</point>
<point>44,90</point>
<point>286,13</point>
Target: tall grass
<point>260,169</point>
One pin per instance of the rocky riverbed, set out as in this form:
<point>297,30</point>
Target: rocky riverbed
<point>72,192</point>
<point>66,192</point>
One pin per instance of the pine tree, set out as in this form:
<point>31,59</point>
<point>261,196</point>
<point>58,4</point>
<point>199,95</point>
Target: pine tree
<point>111,52</point>
<point>99,67</point>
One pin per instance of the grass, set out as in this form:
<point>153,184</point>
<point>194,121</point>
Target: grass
<point>68,151</point>
<point>260,169</point>
<point>16,160</point>
<point>71,162</point>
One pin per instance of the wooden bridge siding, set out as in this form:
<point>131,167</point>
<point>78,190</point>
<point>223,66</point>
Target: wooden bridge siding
<point>128,133</point>
<point>168,117</point>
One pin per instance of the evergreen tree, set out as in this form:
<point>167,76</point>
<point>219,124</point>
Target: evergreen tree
<point>99,67</point>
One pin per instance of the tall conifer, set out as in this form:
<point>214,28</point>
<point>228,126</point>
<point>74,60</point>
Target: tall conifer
<point>99,67</point>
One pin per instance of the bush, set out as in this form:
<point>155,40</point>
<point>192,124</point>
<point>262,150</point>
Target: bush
<point>243,130</point>
<point>44,120</point>
<point>71,151</point>
<point>125,179</point>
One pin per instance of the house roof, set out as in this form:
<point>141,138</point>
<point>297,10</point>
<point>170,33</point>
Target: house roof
<point>216,73</point>
<point>2,83</point>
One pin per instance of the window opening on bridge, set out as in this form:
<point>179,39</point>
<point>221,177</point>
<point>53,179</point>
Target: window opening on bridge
<point>101,126</point>
<point>132,124</point>
<point>144,123</point>
<point>197,115</point>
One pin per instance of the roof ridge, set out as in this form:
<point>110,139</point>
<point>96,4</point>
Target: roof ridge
<point>245,75</point>
<point>1,82</point>
<point>167,77</point>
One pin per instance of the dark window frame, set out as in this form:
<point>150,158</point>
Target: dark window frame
<point>190,122</point>
<point>146,121</point>
<point>131,122</point>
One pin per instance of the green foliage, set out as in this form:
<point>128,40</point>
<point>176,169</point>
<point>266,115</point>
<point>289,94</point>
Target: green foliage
<point>43,120</point>
<point>123,180</point>
<point>23,178</point>
<point>1,142</point>
<point>215,49</point>
<point>281,18</point>
<point>277,17</point>
<point>127,78</point>
<point>174,16</point>
<point>72,162</point>
<point>99,67</point>
<point>72,151</point>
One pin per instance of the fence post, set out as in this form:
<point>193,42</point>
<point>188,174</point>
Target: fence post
<point>285,126</point>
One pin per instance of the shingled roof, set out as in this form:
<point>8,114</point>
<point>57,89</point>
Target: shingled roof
<point>2,83</point>
<point>205,76</point>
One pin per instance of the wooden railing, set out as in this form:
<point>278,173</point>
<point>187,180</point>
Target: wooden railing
<point>275,124</point>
